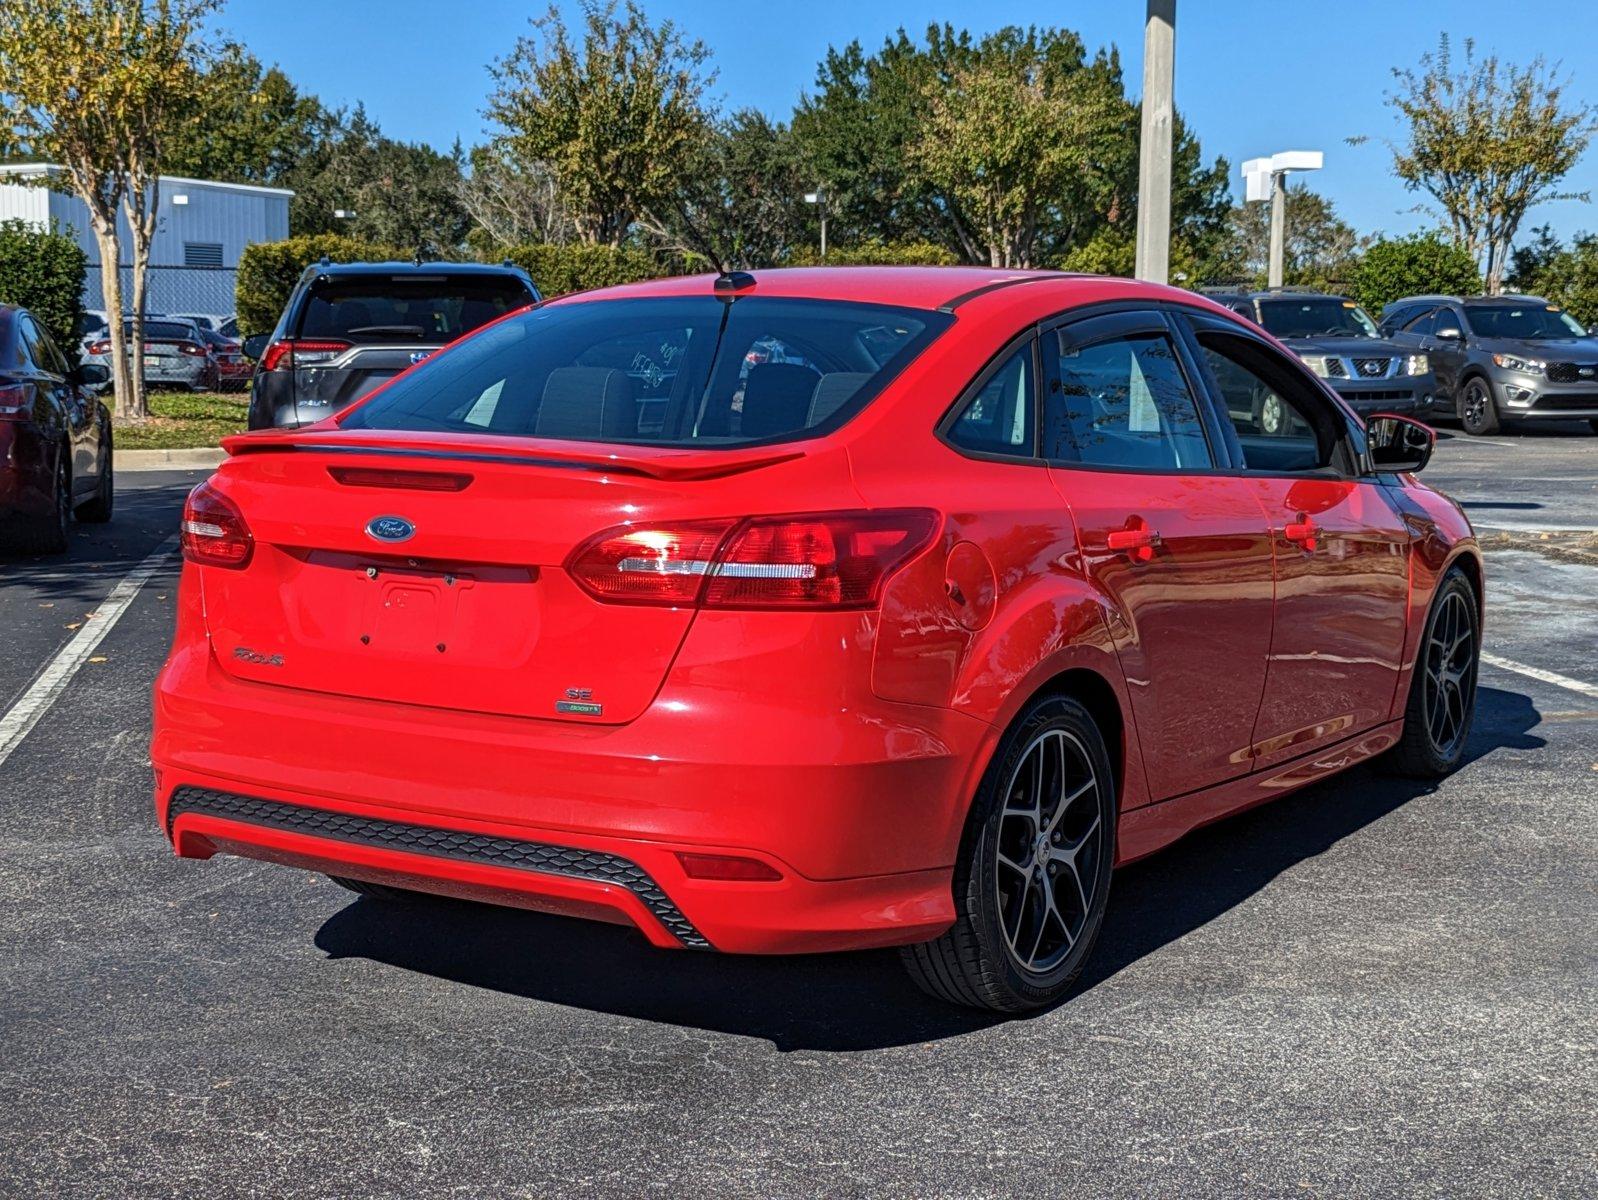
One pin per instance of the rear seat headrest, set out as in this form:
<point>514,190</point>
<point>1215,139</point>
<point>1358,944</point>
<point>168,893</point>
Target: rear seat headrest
<point>587,402</point>
<point>833,392</point>
<point>776,399</point>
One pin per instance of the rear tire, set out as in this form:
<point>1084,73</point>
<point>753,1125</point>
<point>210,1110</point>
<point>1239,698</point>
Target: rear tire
<point>1478,413</point>
<point>1442,693</point>
<point>48,534</point>
<point>1033,878</point>
<point>98,510</point>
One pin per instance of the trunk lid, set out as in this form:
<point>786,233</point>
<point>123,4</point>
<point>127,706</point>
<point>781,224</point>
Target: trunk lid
<point>471,608</point>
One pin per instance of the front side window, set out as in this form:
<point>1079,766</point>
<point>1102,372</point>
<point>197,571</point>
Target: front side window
<point>1124,402</point>
<point>1272,410</point>
<point>673,371</point>
<point>1424,323</point>
<point>1000,418</point>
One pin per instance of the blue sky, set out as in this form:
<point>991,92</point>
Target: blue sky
<point>1252,76</point>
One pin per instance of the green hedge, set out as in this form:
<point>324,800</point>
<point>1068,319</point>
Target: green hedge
<point>268,272</point>
<point>44,273</point>
<point>1419,265</point>
<point>877,254</point>
<point>579,267</point>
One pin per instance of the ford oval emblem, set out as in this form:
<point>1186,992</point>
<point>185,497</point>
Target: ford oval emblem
<point>389,529</point>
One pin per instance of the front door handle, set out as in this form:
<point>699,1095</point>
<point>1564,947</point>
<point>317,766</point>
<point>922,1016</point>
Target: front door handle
<point>1137,543</point>
<point>1303,531</point>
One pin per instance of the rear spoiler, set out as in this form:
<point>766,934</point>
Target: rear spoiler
<point>656,462</point>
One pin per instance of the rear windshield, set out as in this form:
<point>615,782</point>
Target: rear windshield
<point>408,308</point>
<point>168,330</point>
<point>1521,321</point>
<point>672,371</point>
<point>1327,317</point>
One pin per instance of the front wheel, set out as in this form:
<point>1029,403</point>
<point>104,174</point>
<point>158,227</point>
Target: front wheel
<point>1033,878</point>
<point>1442,694</point>
<point>1477,412</point>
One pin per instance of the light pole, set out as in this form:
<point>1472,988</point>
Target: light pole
<point>1154,144</point>
<point>819,199</point>
<point>1266,178</point>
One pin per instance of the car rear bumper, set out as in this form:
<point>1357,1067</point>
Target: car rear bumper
<point>858,813</point>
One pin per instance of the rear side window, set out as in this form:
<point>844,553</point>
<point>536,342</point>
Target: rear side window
<point>681,370</point>
<point>169,331</point>
<point>408,308</point>
<point>1000,418</point>
<point>1123,403</point>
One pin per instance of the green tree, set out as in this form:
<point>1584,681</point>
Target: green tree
<point>254,126</point>
<point>43,272</point>
<point>1566,275</point>
<point>741,203</point>
<point>971,143</point>
<point>402,193</point>
<point>512,203</point>
<point>1421,264</point>
<point>1320,248</point>
<point>617,113</point>
<point>1486,140</point>
<point>100,86</point>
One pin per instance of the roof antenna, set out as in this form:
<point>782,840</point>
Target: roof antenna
<point>733,281</point>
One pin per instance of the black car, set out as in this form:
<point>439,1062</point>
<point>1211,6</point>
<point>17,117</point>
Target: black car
<point>350,326</point>
<point>1501,359</point>
<point>1341,344</point>
<point>55,438</point>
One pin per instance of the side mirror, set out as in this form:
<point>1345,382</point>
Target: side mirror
<point>255,345</point>
<point>1450,333</point>
<point>91,374</point>
<point>1399,444</point>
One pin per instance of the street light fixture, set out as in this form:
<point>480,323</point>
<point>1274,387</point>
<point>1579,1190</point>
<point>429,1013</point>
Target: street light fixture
<point>1266,179</point>
<point>819,199</point>
<point>344,214</point>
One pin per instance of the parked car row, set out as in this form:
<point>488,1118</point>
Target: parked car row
<point>197,351</point>
<point>1486,360</point>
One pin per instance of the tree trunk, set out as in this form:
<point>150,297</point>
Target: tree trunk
<point>110,248</point>
<point>141,263</point>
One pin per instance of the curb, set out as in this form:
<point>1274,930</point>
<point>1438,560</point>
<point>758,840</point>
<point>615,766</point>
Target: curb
<point>200,458</point>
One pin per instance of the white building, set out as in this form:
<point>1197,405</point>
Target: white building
<point>201,230</point>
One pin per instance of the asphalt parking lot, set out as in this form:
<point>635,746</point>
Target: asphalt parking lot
<point>1369,988</point>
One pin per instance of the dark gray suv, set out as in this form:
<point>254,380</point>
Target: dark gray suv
<point>350,326</point>
<point>1501,359</point>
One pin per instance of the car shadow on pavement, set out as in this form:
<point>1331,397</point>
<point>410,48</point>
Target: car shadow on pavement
<point>864,1001</point>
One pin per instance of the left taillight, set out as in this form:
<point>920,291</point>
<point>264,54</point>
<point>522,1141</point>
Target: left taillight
<point>806,561</point>
<point>14,404</point>
<point>214,532</point>
<point>193,349</point>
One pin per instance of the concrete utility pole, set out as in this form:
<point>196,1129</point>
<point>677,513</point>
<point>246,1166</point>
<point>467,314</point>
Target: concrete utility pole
<point>1154,146</point>
<point>1266,178</point>
<point>1278,228</point>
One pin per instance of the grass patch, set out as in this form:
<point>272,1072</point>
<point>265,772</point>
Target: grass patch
<point>180,420</point>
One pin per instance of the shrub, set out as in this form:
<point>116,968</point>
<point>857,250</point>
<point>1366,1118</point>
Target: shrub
<point>877,254</point>
<point>268,272</point>
<point>1421,264</point>
<point>44,273</point>
<point>579,267</point>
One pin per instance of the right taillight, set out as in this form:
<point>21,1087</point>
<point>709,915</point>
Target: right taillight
<point>15,402</point>
<point>214,533</point>
<point>101,347</point>
<point>833,560</point>
<point>301,352</point>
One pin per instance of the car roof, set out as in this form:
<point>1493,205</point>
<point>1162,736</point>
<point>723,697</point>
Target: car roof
<point>1469,301</point>
<point>415,268</point>
<point>1288,293</point>
<point>928,288</point>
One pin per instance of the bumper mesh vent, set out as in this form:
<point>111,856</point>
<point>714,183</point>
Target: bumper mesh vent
<point>541,857</point>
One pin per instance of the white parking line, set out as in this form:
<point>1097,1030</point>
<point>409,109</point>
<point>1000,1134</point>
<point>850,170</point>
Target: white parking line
<point>36,701</point>
<point>1553,677</point>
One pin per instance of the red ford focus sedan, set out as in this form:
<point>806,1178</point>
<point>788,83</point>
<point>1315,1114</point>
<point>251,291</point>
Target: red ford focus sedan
<point>810,610</point>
